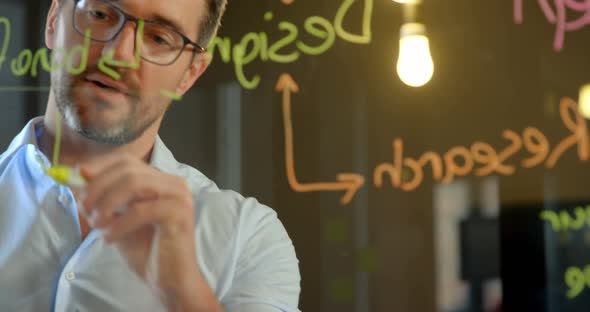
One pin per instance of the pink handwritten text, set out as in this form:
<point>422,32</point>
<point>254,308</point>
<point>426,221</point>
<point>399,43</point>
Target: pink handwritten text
<point>557,15</point>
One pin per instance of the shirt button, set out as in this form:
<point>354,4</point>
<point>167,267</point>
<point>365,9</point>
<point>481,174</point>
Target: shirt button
<point>70,276</point>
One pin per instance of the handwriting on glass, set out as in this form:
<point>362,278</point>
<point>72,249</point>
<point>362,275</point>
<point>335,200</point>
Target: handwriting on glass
<point>289,47</point>
<point>462,160</point>
<point>557,15</point>
<point>577,279</point>
<point>322,34</point>
<point>562,221</point>
<point>27,61</point>
<point>74,61</point>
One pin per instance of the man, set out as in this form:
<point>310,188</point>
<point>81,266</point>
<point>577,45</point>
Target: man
<point>159,235</point>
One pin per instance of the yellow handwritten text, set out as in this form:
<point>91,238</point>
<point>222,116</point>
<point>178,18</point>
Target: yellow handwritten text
<point>27,61</point>
<point>6,23</point>
<point>563,221</point>
<point>577,279</point>
<point>255,45</point>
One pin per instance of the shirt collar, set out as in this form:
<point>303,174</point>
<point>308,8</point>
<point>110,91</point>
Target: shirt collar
<point>26,136</point>
<point>161,157</point>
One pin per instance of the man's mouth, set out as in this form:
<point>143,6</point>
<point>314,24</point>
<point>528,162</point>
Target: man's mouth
<point>108,84</point>
<point>103,86</point>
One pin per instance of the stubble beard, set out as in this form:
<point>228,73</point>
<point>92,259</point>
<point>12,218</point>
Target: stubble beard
<point>125,131</point>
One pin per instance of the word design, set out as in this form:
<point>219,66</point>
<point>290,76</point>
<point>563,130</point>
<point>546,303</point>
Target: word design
<point>255,45</point>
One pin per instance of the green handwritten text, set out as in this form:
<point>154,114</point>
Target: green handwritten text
<point>4,21</point>
<point>564,221</point>
<point>576,279</point>
<point>28,62</point>
<point>288,49</point>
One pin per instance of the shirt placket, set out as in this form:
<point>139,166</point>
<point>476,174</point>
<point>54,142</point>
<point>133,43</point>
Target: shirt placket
<point>70,272</point>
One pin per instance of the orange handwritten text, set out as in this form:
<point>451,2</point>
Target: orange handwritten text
<point>482,159</point>
<point>347,182</point>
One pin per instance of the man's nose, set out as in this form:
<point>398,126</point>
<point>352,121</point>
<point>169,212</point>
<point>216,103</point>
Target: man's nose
<point>123,45</point>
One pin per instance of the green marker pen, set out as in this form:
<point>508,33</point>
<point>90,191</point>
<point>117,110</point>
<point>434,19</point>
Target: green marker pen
<point>66,176</point>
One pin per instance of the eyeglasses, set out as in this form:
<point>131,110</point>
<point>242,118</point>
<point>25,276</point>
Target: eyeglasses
<point>161,44</point>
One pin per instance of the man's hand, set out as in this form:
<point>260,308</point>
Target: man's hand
<point>135,205</point>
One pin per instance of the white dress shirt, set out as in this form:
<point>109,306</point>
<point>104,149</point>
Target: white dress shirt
<point>243,250</point>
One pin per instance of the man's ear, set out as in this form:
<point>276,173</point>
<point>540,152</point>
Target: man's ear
<point>195,70</point>
<point>51,24</point>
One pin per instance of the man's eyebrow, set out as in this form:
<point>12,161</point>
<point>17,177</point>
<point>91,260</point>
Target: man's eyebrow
<point>160,19</point>
<point>157,18</point>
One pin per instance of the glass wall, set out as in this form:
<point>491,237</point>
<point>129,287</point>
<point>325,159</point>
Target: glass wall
<point>465,194</point>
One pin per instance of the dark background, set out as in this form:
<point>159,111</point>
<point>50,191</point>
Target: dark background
<point>378,253</point>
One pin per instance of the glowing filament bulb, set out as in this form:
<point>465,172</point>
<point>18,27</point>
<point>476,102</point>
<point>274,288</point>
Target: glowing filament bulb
<point>414,64</point>
<point>584,101</point>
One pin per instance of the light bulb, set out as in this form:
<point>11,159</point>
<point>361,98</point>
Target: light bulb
<point>414,64</point>
<point>584,101</point>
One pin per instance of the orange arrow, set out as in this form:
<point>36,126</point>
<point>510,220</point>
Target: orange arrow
<point>349,182</point>
<point>287,2</point>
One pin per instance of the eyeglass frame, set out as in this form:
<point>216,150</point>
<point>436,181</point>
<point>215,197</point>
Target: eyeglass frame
<point>197,48</point>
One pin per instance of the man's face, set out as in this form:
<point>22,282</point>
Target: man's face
<point>113,111</point>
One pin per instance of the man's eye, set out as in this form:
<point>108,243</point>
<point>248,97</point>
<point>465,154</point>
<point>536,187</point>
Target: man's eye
<point>98,15</point>
<point>159,40</point>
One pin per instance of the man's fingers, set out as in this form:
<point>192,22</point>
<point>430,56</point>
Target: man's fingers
<point>99,182</point>
<point>136,187</point>
<point>170,211</point>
